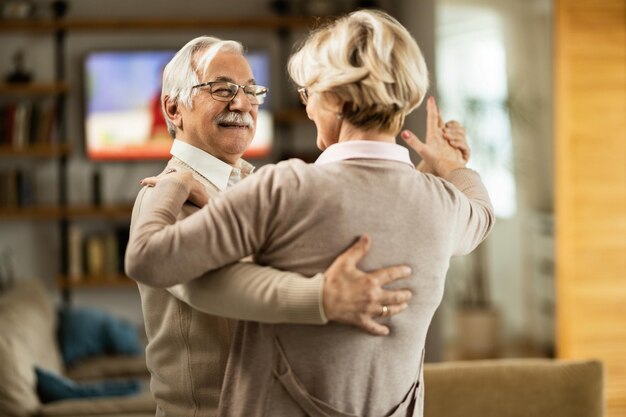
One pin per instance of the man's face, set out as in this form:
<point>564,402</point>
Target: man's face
<point>205,125</point>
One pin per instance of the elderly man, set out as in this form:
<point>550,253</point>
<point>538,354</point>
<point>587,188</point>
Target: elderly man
<point>210,101</point>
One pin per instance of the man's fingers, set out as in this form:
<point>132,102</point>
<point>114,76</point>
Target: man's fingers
<point>395,297</point>
<point>457,143</point>
<point>392,310</point>
<point>370,326</point>
<point>377,311</point>
<point>392,273</point>
<point>455,134</point>
<point>356,252</point>
<point>460,145</point>
<point>453,124</point>
<point>464,148</point>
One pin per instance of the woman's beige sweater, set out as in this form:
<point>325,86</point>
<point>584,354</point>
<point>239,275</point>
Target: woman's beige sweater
<point>298,217</point>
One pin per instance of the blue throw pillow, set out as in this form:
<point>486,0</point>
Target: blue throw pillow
<point>83,333</point>
<point>53,387</point>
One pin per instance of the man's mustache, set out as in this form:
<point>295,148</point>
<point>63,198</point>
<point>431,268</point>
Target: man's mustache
<point>235,118</point>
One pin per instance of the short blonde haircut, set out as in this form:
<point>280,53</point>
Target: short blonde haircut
<point>368,60</point>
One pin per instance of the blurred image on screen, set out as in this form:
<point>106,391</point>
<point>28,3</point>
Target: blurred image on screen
<point>123,116</point>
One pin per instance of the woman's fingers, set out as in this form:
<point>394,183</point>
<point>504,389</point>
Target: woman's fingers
<point>413,141</point>
<point>432,117</point>
<point>149,181</point>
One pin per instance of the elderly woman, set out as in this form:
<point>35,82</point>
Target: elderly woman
<point>360,76</point>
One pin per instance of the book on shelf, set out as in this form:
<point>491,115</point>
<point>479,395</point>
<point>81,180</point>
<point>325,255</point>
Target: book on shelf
<point>7,120</point>
<point>21,125</point>
<point>17,188</point>
<point>96,256</point>
<point>75,253</point>
<point>27,123</point>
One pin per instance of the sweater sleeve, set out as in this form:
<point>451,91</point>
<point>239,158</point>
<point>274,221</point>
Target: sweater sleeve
<point>162,252</point>
<point>246,291</point>
<point>474,216</point>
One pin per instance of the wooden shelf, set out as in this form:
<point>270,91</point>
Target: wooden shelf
<point>35,151</point>
<point>121,212</point>
<point>33,89</point>
<point>31,213</point>
<point>239,23</point>
<point>28,25</point>
<point>93,282</point>
<point>110,212</point>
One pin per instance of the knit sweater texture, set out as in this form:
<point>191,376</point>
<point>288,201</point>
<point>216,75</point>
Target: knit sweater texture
<point>298,217</point>
<point>187,348</point>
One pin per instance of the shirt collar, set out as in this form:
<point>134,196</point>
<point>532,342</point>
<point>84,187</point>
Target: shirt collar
<point>213,169</point>
<point>364,149</point>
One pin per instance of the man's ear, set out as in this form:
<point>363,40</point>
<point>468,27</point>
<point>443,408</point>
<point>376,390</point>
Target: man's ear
<point>172,111</point>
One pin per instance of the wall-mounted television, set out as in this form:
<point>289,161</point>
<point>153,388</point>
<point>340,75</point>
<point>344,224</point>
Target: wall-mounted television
<point>123,117</point>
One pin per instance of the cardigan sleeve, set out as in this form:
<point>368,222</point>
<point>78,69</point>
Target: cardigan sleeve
<point>163,252</point>
<point>474,212</point>
<point>246,291</point>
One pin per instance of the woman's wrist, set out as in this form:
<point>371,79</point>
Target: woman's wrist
<point>444,168</point>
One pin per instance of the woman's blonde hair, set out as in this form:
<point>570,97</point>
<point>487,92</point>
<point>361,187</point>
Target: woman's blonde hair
<point>370,62</point>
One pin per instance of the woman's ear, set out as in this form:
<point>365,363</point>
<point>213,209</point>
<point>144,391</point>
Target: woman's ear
<point>173,112</point>
<point>333,103</point>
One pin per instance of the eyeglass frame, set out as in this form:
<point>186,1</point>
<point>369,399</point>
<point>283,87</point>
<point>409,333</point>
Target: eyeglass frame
<point>304,95</point>
<point>243,87</point>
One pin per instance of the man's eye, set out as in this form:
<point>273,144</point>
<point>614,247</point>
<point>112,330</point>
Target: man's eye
<point>223,92</point>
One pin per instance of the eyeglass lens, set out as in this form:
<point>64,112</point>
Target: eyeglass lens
<point>225,91</point>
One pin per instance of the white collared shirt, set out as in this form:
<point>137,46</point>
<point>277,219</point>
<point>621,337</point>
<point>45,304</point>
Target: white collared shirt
<point>364,149</point>
<point>218,172</point>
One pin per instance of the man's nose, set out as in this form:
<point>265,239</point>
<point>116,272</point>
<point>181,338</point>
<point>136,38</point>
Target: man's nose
<point>240,101</point>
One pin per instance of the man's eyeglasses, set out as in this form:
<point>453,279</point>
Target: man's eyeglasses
<point>225,91</point>
<point>304,95</point>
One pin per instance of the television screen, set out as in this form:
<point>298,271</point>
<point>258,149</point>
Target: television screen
<point>123,117</point>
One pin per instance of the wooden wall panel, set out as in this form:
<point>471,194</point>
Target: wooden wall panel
<point>590,111</point>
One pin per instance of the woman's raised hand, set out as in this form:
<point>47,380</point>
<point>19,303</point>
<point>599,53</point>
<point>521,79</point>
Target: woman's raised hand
<point>445,147</point>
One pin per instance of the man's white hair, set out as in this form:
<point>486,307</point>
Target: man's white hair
<point>182,72</point>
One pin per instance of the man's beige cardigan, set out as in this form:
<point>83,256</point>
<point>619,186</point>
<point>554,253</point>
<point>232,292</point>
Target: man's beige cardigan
<point>187,349</point>
<point>298,217</point>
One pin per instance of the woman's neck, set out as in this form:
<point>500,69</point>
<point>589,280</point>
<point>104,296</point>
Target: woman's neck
<point>348,132</point>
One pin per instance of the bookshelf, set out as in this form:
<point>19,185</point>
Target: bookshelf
<point>41,150</point>
<point>95,282</point>
<point>70,217</point>
<point>111,212</point>
<point>90,25</point>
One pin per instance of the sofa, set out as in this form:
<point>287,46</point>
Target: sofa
<point>514,388</point>
<point>494,388</point>
<point>28,338</point>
